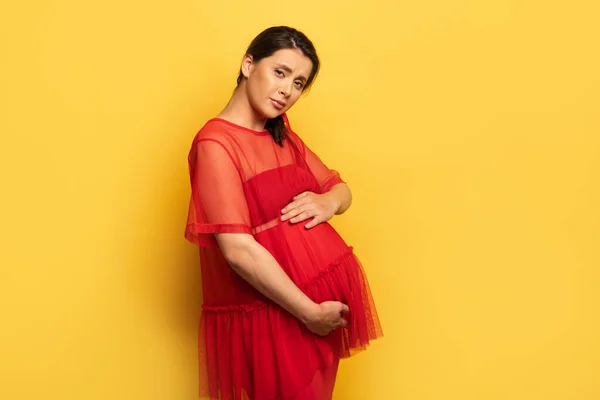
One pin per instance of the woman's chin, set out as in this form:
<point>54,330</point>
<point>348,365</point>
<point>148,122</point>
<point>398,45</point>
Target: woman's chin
<point>270,114</point>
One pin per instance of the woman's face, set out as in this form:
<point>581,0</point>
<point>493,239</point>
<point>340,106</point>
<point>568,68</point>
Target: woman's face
<point>275,83</point>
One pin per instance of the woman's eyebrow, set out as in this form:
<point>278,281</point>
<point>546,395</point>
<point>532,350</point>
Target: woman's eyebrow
<point>289,70</point>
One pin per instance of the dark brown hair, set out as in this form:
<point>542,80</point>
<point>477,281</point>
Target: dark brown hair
<point>266,44</point>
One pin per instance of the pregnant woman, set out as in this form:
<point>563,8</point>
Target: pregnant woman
<point>285,298</point>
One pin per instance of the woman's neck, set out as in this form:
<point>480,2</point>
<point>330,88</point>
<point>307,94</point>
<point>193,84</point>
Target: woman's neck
<point>239,111</point>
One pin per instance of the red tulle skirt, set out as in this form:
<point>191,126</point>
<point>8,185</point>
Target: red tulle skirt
<point>256,350</point>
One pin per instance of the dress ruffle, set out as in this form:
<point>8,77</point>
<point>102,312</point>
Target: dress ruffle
<point>284,355</point>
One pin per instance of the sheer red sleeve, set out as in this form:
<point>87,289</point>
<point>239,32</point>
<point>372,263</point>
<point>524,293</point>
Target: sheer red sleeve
<point>326,177</point>
<point>217,202</point>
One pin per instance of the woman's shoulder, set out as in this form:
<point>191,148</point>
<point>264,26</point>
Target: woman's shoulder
<point>214,131</point>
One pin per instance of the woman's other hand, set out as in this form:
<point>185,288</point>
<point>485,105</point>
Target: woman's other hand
<point>327,317</point>
<point>319,207</point>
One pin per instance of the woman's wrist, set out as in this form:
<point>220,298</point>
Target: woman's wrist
<point>340,197</point>
<point>335,202</point>
<point>309,313</point>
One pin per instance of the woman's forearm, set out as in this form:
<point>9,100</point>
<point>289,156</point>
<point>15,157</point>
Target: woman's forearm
<point>341,196</point>
<point>259,268</point>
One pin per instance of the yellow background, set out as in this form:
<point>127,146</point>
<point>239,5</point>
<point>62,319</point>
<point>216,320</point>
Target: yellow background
<point>469,132</point>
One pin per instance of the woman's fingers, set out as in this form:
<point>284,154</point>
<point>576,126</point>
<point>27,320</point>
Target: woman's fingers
<point>301,195</point>
<point>316,221</point>
<point>344,310</point>
<point>305,206</point>
<point>297,202</point>
<point>331,319</point>
<point>294,212</point>
<point>302,217</point>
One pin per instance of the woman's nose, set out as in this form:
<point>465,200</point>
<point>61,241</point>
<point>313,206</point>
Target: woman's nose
<point>284,91</point>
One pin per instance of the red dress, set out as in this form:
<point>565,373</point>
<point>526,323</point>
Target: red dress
<point>250,347</point>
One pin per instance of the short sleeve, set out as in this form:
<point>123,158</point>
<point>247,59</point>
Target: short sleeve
<point>217,201</point>
<point>326,177</point>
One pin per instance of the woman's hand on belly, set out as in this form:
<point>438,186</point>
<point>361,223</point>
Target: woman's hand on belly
<point>320,207</point>
<point>328,318</point>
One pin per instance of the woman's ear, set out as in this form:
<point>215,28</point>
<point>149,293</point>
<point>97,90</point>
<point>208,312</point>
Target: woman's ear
<point>247,65</point>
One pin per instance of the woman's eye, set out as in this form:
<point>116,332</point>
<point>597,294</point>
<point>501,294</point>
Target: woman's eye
<point>279,72</point>
<point>299,85</point>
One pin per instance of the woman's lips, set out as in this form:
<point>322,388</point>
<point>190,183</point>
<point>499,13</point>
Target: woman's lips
<point>277,104</point>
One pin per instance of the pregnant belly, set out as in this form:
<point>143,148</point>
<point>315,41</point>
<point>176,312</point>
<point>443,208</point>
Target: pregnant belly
<point>302,253</point>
